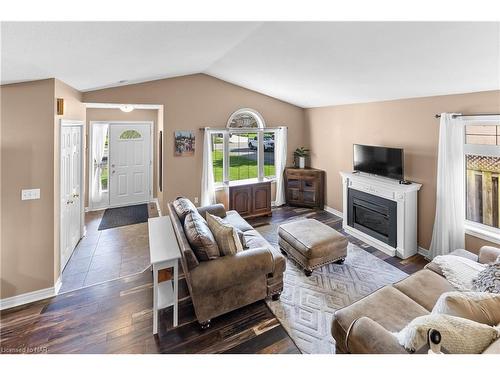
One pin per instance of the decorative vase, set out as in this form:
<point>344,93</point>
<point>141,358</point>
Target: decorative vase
<point>302,162</point>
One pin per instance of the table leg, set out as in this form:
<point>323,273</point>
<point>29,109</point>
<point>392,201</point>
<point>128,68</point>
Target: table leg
<point>155,301</point>
<point>176,292</point>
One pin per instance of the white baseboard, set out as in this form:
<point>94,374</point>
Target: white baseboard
<point>29,297</point>
<point>424,252</point>
<point>57,286</point>
<point>157,202</point>
<point>333,211</point>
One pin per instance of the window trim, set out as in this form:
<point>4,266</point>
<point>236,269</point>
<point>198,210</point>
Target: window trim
<point>260,156</point>
<point>479,230</point>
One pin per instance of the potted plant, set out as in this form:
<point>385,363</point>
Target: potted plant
<point>301,153</point>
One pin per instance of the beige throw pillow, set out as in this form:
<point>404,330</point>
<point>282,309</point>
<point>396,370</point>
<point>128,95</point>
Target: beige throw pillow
<point>477,306</point>
<point>183,207</point>
<point>225,234</point>
<point>200,237</point>
<point>458,335</point>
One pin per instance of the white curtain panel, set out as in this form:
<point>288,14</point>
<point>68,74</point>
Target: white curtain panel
<point>99,133</point>
<point>207,174</point>
<point>449,231</point>
<point>280,162</point>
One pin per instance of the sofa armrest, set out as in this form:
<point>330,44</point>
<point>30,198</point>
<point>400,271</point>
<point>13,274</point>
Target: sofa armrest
<point>365,336</point>
<point>488,254</point>
<point>213,209</point>
<point>229,270</point>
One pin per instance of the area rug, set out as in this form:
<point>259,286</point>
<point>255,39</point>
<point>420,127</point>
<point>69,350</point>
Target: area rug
<point>121,216</point>
<point>307,304</point>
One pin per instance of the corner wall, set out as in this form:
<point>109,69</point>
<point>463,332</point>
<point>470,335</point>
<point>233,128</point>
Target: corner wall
<point>407,123</point>
<point>27,147</point>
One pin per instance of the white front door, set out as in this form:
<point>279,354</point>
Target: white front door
<point>71,159</point>
<point>129,164</point>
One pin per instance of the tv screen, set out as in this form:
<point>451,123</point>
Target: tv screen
<point>382,161</point>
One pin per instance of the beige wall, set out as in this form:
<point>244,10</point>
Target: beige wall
<point>195,101</point>
<point>407,123</point>
<point>27,148</point>
<point>113,114</point>
<point>30,159</point>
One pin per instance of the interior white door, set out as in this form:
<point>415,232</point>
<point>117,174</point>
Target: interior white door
<point>71,158</point>
<point>129,164</point>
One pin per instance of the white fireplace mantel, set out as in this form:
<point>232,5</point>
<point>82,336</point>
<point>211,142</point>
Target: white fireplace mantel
<point>406,198</point>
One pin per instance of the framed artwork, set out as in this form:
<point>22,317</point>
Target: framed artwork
<point>184,142</point>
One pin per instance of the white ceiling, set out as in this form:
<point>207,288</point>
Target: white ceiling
<point>305,63</point>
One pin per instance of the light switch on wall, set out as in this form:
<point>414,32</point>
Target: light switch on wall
<point>28,194</point>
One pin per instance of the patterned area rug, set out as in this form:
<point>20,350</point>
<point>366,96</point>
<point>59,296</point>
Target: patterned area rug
<point>307,304</point>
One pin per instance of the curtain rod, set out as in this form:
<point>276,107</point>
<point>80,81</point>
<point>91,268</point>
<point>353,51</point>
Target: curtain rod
<point>252,130</point>
<point>477,114</point>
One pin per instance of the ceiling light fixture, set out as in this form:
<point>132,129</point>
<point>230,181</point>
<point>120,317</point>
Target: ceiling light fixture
<point>126,108</point>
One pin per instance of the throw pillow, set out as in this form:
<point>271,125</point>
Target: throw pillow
<point>479,307</point>
<point>183,207</point>
<point>200,237</point>
<point>225,234</point>
<point>458,335</point>
<point>459,271</point>
<point>488,280</point>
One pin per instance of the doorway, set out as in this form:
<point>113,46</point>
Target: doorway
<point>121,161</point>
<point>71,177</point>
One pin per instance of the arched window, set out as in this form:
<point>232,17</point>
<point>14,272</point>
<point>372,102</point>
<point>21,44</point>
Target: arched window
<point>246,118</point>
<point>130,134</point>
<point>244,151</point>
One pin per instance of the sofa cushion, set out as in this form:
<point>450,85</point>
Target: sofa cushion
<point>200,237</point>
<point>459,335</point>
<point>387,306</point>
<point>225,234</point>
<point>479,307</point>
<point>234,218</point>
<point>254,240</point>
<point>183,207</point>
<point>424,287</point>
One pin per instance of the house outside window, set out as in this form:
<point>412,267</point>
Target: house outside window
<point>482,174</point>
<point>241,153</point>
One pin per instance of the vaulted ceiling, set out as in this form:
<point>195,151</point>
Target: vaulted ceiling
<point>305,63</point>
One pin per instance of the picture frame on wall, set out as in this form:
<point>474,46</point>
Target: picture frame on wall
<point>184,143</point>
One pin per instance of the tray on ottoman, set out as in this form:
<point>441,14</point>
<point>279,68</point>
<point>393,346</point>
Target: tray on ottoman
<point>312,244</point>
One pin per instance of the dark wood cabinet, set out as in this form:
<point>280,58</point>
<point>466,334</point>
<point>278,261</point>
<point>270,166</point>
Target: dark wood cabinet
<point>305,187</point>
<point>250,200</point>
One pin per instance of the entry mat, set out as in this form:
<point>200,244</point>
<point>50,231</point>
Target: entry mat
<point>120,216</point>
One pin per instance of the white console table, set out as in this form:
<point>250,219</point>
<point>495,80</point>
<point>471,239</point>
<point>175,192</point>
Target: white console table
<point>406,198</point>
<point>164,253</point>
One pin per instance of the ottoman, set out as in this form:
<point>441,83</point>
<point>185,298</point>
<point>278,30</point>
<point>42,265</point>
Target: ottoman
<point>312,244</point>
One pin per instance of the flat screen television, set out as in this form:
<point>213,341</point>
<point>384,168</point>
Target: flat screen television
<point>382,161</point>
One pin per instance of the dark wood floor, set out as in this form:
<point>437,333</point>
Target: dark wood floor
<point>116,316</point>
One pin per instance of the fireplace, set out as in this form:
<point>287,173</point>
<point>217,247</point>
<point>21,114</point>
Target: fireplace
<point>373,215</point>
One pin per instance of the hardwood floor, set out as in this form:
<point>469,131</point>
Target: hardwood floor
<point>116,316</point>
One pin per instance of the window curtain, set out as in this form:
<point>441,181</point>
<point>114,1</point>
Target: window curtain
<point>207,174</point>
<point>280,155</point>
<point>99,133</point>
<point>449,230</point>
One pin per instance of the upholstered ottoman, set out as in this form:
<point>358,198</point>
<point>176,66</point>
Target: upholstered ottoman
<point>312,244</point>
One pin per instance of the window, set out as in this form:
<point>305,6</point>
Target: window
<point>482,161</point>
<point>241,153</point>
<point>130,134</point>
<point>104,165</point>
